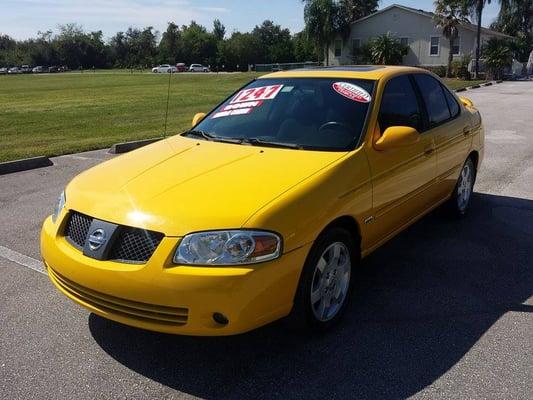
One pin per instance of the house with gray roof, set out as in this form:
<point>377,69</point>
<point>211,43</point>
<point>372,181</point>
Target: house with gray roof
<point>428,47</point>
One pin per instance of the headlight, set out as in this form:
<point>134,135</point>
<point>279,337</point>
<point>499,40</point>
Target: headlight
<point>59,206</point>
<point>228,248</point>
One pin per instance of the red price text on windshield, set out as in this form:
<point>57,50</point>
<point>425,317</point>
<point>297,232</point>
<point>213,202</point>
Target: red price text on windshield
<point>259,93</point>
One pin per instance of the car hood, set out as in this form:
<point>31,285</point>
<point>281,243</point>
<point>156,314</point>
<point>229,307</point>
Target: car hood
<point>180,185</point>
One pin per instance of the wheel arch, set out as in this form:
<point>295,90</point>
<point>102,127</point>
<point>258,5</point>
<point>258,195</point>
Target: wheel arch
<point>348,223</point>
<point>474,155</point>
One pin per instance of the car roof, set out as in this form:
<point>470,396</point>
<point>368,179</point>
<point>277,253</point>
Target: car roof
<point>372,72</point>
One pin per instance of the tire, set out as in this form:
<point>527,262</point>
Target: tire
<point>462,193</point>
<point>325,282</point>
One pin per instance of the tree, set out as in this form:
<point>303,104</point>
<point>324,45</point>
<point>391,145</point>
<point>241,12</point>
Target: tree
<point>387,50</point>
<point>324,20</point>
<point>516,19</point>
<point>134,48</point>
<point>305,49</point>
<point>476,8</point>
<point>357,9</point>
<point>169,48</point>
<point>199,46</point>
<point>219,30</point>
<point>239,51</point>
<point>275,43</point>
<point>498,55</point>
<point>448,16</point>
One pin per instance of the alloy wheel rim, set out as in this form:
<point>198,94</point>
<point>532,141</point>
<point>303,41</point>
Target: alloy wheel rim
<point>331,280</point>
<point>464,189</point>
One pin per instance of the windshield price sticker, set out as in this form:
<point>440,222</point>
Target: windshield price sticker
<point>259,93</point>
<point>229,113</point>
<point>242,105</point>
<point>352,92</point>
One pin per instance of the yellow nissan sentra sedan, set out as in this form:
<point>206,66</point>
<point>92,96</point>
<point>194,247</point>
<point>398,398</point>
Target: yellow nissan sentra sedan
<point>266,206</point>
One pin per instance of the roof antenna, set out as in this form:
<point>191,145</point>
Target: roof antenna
<point>168,100</point>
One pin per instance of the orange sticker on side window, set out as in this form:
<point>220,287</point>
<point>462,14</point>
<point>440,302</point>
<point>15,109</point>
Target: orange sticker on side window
<point>259,93</point>
<point>352,92</point>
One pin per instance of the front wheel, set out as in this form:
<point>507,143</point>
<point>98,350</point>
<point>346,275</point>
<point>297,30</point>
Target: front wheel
<point>326,281</point>
<point>463,189</point>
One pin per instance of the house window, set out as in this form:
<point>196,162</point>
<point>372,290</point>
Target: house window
<point>338,48</point>
<point>456,47</point>
<point>404,41</point>
<point>356,46</point>
<point>434,47</point>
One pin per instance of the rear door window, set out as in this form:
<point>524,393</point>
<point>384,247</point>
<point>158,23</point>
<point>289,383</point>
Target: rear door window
<point>433,95</point>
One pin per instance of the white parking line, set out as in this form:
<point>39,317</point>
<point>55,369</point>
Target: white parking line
<point>21,259</point>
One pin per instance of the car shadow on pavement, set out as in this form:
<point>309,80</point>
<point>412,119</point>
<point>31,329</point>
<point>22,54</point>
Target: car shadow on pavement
<point>420,303</point>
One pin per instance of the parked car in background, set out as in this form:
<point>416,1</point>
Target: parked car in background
<point>53,69</point>
<point>14,70</point>
<point>180,67</point>
<point>38,69</point>
<point>3,71</point>
<point>198,68</point>
<point>25,69</point>
<point>165,68</point>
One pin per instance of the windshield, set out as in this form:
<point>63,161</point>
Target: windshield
<point>307,113</point>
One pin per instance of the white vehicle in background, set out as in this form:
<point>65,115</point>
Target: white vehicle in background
<point>198,68</point>
<point>165,68</point>
<point>14,70</point>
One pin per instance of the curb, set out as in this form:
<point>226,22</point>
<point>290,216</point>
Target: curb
<point>460,90</point>
<point>119,148</point>
<point>24,164</point>
<point>473,87</point>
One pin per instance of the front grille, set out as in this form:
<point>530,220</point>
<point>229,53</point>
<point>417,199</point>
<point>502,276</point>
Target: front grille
<point>115,305</point>
<point>129,245</point>
<point>77,228</point>
<point>135,245</point>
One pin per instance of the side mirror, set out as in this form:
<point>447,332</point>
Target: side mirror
<point>397,136</point>
<point>466,102</point>
<point>197,118</point>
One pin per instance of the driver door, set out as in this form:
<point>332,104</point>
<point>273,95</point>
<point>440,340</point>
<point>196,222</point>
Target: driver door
<point>402,177</point>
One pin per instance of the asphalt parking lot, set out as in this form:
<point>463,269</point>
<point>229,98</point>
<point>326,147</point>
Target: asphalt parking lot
<point>445,310</point>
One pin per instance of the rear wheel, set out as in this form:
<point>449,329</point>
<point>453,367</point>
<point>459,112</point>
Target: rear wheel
<point>326,281</point>
<point>462,193</point>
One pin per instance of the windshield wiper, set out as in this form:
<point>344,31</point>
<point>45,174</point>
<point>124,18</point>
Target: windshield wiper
<point>198,133</point>
<point>266,143</point>
<point>209,136</point>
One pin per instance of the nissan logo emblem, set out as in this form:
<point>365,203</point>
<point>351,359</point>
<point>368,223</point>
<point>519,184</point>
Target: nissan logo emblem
<point>97,239</point>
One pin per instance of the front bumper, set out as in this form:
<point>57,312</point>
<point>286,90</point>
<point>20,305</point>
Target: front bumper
<point>164,297</point>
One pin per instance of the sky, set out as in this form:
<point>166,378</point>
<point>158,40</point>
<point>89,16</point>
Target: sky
<point>22,19</point>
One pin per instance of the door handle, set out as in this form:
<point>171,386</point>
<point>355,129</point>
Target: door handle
<point>466,131</point>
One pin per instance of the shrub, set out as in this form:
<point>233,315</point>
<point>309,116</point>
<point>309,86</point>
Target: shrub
<point>387,50</point>
<point>439,70</point>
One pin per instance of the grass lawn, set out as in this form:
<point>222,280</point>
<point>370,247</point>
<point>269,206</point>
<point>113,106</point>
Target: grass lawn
<point>458,84</point>
<point>65,113</point>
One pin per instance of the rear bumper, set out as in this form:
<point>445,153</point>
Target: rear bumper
<point>169,298</point>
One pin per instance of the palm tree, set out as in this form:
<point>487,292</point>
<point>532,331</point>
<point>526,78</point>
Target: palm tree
<point>324,20</point>
<point>516,19</point>
<point>476,8</point>
<point>498,55</point>
<point>448,16</point>
<point>387,50</point>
